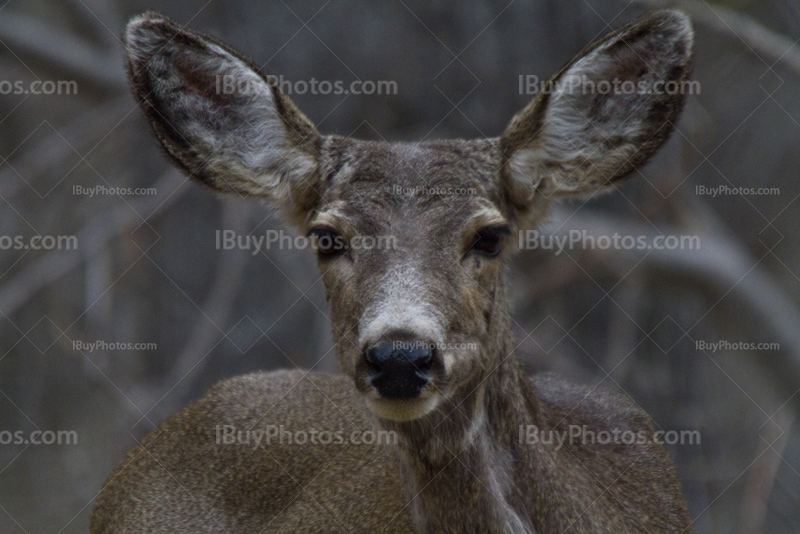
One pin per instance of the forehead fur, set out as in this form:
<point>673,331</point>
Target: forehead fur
<point>436,180</point>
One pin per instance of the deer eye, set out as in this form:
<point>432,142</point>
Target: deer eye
<point>487,240</point>
<point>327,241</point>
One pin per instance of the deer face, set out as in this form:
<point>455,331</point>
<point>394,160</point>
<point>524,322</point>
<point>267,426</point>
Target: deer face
<point>411,239</point>
<point>413,306</point>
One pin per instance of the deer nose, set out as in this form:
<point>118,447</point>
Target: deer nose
<point>399,369</point>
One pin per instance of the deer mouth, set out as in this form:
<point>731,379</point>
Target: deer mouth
<point>403,409</point>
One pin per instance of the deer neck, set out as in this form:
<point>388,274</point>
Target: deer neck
<point>461,465</point>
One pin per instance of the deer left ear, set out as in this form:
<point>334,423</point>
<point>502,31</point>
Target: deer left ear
<point>220,118</point>
<point>604,114</point>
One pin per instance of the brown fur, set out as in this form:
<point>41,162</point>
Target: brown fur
<point>458,465</point>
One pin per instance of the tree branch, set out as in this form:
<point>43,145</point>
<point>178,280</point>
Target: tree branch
<point>722,265</point>
<point>98,233</point>
<point>62,51</point>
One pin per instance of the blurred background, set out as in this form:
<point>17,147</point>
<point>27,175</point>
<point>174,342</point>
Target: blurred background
<point>134,312</point>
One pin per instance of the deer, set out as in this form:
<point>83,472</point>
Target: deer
<point>421,329</point>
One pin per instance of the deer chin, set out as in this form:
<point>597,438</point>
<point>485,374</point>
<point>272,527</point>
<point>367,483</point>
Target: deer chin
<point>403,409</point>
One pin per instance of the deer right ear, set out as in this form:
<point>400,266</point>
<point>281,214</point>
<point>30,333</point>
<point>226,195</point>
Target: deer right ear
<point>604,114</point>
<point>219,117</point>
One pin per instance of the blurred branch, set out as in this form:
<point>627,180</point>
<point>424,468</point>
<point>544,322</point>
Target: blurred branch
<point>216,308</point>
<point>92,17</point>
<point>765,43</point>
<point>98,234</point>
<point>52,150</point>
<point>203,338</point>
<point>722,265</point>
<point>36,41</point>
<point>761,479</point>
<point>623,330</point>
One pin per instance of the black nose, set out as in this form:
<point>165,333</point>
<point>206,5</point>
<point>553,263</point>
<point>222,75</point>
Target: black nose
<point>400,369</point>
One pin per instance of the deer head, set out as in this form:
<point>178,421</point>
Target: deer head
<point>421,320</point>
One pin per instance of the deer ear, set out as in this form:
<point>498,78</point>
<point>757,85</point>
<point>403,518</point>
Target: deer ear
<point>218,117</point>
<point>604,114</point>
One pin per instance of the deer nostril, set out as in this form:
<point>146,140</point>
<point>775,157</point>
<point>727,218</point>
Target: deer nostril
<point>377,355</point>
<point>421,358</point>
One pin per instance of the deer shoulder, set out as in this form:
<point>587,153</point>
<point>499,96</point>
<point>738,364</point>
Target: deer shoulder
<point>280,450</point>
